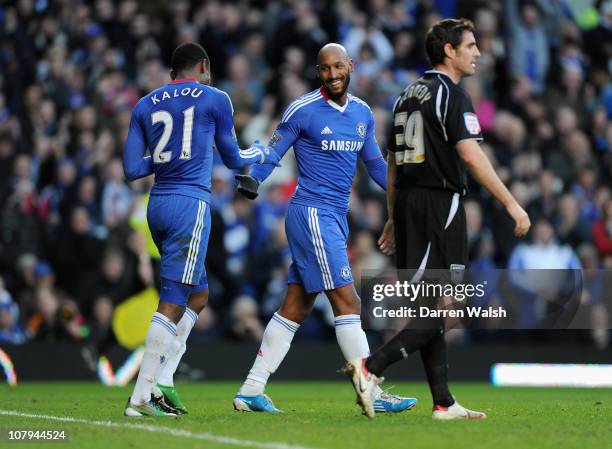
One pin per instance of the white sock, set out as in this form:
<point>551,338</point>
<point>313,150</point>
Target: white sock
<point>352,340</point>
<point>178,346</point>
<point>275,344</point>
<point>161,333</point>
<point>351,337</point>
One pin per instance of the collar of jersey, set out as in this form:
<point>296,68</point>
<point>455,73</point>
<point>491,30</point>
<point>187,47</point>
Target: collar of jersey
<point>184,80</point>
<point>438,72</point>
<point>333,104</point>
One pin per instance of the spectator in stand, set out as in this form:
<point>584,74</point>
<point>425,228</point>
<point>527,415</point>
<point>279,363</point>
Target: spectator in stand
<point>546,200</point>
<point>529,46</point>
<point>543,252</point>
<point>78,251</point>
<point>116,195</point>
<point>10,329</point>
<point>569,225</point>
<point>57,318</point>
<point>602,231</point>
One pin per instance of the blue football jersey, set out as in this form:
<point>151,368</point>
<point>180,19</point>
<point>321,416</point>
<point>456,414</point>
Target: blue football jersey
<point>178,124</point>
<point>327,140</point>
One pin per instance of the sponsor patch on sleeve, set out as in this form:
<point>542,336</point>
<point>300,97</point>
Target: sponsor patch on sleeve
<point>471,123</point>
<point>274,139</point>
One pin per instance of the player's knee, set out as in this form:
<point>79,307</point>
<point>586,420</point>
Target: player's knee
<point>198,301</point>
<point>173,298</point>
<point>199,295</point>
<point>346,305</point>
<point>294,312</point>
<point>173,312</point>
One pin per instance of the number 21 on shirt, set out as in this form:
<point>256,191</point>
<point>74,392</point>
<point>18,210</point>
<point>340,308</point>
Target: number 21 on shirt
<point>159,155</point>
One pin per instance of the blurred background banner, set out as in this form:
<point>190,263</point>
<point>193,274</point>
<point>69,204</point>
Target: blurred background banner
<point>74,243</point>
<point>314,361</point>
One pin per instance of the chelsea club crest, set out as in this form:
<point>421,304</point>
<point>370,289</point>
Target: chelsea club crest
<point>361,129</point>
<point>345,272</point>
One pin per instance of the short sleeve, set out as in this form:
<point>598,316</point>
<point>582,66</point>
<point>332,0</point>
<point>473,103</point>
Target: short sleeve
<point>461,120</point>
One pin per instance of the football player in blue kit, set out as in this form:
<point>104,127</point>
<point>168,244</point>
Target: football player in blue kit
<point>178,124</point>
<point>329,130</point>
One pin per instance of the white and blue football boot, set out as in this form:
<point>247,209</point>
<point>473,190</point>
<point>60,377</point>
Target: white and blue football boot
<point>365,384</point>
<point>391,403</point>
<point>259,403</point>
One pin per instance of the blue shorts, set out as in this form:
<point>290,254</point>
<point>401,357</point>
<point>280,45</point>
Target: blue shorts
<point>180,226</point>
<point>317,240</point>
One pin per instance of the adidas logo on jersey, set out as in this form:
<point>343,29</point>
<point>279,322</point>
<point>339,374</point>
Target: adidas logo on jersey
<point>326,130</point>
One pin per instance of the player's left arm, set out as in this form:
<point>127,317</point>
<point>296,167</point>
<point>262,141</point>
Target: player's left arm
<point>373,158</point>
<point>463,131</point>
<point>135,164</point>
<point>386,242</point>
<point>378,171</point>
<point>225,139</point>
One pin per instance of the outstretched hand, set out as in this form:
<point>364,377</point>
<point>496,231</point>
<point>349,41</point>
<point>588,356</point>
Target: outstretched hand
<point>268,155</point>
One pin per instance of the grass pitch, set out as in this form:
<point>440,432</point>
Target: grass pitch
<point>317,416</point>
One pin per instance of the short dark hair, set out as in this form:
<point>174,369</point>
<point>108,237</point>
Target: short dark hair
<point>447,31</point>
<point>185,56</point>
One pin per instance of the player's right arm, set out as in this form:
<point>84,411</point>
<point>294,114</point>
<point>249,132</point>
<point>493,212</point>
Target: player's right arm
<point>286,134</point>
<point>135,164</point>
<point>225,139</point>
<point>481,169</point>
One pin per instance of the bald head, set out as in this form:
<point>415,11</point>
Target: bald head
<point>333,49</point>
<point>334,67</point>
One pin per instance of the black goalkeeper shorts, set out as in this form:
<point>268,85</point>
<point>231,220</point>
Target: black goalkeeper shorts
<point>430,230</point>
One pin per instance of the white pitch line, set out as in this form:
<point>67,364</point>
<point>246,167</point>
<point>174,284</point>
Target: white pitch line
<point>158,429</point>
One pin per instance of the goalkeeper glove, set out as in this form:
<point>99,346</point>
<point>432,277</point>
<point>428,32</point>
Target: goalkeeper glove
<point>247,186</point>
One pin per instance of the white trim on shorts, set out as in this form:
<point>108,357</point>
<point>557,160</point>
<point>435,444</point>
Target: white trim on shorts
<point>194,244</point>
<point>317,241</point>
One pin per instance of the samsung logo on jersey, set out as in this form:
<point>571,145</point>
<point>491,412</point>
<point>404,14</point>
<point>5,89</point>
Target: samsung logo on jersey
<point>341,145</point>
<point>184,92</point>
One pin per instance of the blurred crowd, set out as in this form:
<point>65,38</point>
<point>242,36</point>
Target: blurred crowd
<point>73,234</point>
